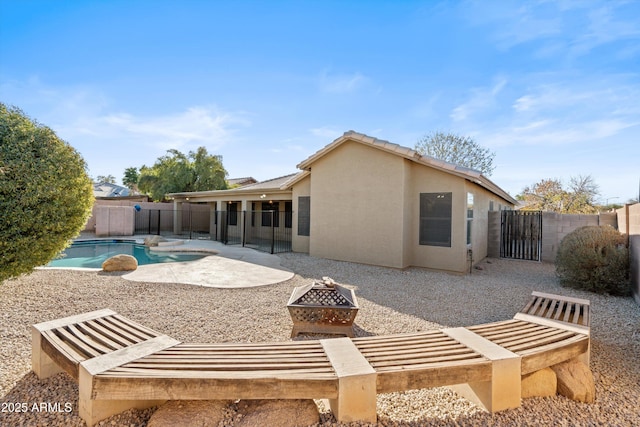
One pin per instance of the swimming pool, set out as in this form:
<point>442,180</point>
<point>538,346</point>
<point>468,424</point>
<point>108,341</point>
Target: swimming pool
<point>92,253</point>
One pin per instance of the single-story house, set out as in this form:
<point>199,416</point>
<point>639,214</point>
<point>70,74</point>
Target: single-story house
<point>365,200</point>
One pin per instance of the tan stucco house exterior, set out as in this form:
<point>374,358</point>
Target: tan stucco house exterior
<point>369,201</point>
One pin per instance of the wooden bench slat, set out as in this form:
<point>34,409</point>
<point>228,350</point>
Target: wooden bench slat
<point>522,345</point>
<point>137,326</point>
<point>108,335</point>
<point>497,326</point>
<point>88,339</point>
<point>77,344</point>
<point>545,306</point>
<point>131,328</point>
<point>425,361</point>
<point>536,305</point>
<point>254,346</point>
<point>118,331</point>
<point>224,366</point>
<point>187,373</point>
<point>285,358</point>
<point>525,337</point>
<point>411,349</point>
<point>384,345</point>
<point>235,350</point>
<point>400,354</point>
<point>559,309</point>
<point>62,346</point>
<point>99,335</point>
<point>515,329</point>
<point>398,338</point>
<point>552,307</point>
<point>543,347</point>
<point>567,313</point>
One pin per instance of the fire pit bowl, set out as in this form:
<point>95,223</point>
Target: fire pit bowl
<point>323,308</point>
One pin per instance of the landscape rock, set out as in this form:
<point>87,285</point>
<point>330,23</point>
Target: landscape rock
<point>121,262</point>
<point>287,412</point>
<point>575,381</point>
<point>542,383</point>
<point>153,240</point>
<point>190,413</point>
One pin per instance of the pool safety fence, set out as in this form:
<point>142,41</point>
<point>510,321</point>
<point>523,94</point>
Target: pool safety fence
<point>266,231</point>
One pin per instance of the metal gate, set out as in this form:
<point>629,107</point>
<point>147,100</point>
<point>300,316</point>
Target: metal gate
<point>521,235</point>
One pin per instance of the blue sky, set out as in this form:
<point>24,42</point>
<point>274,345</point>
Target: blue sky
<point>552,87</point>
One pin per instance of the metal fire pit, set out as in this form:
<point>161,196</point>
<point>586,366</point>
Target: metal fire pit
<point>323,308</point>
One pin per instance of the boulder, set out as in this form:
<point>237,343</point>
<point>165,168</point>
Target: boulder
<point>542,383</point>
<point>190,413</point>
<point>120,262</point>
<point>153,240</point>
<point>293,413</point>
<point>575,381</point>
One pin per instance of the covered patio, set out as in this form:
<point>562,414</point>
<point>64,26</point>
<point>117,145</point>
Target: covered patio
<point>257,215</point>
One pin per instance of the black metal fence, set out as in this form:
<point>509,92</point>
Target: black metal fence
<point>150,221</point>
<point>195,224</point>
<point>266,231</point>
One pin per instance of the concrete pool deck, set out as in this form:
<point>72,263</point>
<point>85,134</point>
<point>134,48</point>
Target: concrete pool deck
<point>227,267</point>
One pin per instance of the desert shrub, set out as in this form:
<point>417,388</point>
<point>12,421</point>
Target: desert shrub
<point>45,193</point>
<point>596,259</point>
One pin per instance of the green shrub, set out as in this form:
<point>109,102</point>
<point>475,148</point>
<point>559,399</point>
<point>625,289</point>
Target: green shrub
<point>45,193</point>
<point>596,259</point>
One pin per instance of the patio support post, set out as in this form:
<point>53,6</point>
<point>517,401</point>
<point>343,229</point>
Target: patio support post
<point>212,220</point>
<point>177,217</point>
<point>222,220</point>
<point>241,221</point>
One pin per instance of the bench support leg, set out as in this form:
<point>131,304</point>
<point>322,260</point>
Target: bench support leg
<point>41,363</point>
<point>504,389</point>
<point>357,385</point>
<point>356,399</point>
<point>502,392</point>
<point>92,411</point>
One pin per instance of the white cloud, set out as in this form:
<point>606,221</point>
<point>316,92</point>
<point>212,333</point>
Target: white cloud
<point>107,136</point>
<point>481,100</point>
<point>559,28</point>
<point>326,132</point>
<point>341,83</point>
<point>554,111</point>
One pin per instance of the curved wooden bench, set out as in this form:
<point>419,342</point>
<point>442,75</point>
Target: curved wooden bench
<point>120,364</point>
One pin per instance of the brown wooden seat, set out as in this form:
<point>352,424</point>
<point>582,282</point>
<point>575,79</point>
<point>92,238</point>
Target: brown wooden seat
<point>120,364</point>
<point>72,340</point>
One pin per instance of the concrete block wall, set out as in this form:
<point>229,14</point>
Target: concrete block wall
<point>630,215</point>
<point>114,221</point>
<point>556,226</point>
<point>493,239</point>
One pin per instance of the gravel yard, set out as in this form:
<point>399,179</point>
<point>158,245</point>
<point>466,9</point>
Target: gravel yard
<point>391,301</point>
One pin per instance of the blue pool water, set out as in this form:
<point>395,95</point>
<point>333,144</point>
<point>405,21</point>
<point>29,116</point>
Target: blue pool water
<point>92,253</point>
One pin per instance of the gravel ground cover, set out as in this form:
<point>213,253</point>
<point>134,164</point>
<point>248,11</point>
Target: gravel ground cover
<point>391,301</point>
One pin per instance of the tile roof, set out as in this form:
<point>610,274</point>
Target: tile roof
<point>410,154</point>
<point>106,189</point>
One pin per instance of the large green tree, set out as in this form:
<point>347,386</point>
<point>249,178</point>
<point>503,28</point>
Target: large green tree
<point>130,179</point>
<point>176,172</point>
<point>45,193</point>
<point>551,196</point>
<point>457,149</point>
